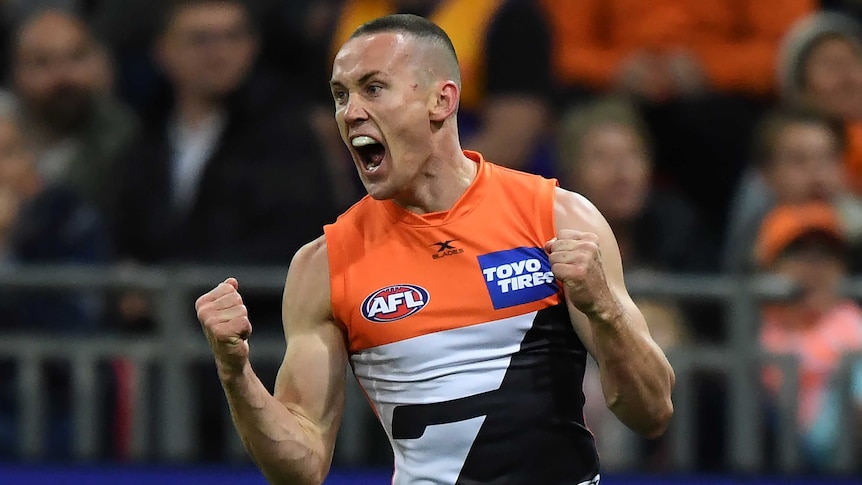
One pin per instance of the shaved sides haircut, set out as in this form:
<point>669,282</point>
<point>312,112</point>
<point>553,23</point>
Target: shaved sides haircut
<point>417,27</point>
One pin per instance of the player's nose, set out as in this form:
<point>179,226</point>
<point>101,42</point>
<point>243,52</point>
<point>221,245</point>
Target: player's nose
<point>355,112</point>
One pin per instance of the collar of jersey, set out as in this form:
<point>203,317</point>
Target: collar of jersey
<point>465,204</point>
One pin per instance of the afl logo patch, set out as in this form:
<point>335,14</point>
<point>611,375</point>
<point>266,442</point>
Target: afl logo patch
<point>394,303</point>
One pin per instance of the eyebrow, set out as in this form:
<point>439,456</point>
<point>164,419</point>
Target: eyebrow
<point>362,80</point>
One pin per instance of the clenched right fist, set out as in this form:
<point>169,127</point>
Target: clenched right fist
<point>224,319</point>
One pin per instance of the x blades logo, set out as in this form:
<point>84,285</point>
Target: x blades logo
<point>445,248</point>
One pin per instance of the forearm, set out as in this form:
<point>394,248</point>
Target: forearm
<point>281,442</point>
<point>637,379</point>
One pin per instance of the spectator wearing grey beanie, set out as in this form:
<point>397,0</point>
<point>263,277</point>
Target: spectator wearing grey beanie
<point>820,64</point>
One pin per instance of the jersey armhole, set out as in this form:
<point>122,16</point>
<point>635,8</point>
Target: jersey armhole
<point>547,208</point>
<point>337,275</point>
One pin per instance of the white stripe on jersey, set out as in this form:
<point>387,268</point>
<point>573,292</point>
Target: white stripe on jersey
<point>433,368</point>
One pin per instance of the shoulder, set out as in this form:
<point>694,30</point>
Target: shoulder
<point>574,211</point>
<point>311,257</point>
<point>307,290</point>
<point>307,297</point>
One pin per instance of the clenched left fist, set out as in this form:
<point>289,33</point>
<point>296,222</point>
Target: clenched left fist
<point>576,261</point>
<point>224,319</point>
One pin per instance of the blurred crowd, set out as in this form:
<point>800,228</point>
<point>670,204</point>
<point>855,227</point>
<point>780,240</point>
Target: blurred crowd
<point>717,137</point>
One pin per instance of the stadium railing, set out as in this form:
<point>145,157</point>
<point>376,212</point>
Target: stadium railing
<point>177,344</point>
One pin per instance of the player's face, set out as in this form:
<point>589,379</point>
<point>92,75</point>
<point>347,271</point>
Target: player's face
<point>382,111</point>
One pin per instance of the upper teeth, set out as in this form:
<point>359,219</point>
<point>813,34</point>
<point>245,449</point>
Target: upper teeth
<point>361,141</point>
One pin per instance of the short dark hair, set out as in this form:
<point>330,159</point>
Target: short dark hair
<point>170,9</point>
<point>414,25</point>
<point>770,127</point>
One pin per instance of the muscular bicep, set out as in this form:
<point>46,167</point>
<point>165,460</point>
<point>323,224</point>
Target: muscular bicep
<point>311,379</point>
<point>573,211</point>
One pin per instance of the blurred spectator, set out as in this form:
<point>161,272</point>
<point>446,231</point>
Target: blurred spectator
<point>128,27</point>
<point>42,222</point>
<point>798,158</point>
<point>821,66</point>
<point>63,78</point>
<point>226,171</point>
<point>805,243</point>
<point>227,156</point>
<point>605,156</point>
<point>503,49</point>
<point>290,37</point>
<point>701,72</point>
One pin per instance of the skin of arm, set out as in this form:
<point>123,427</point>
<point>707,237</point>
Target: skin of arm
<point>291,433</point>
<point>637,379</point>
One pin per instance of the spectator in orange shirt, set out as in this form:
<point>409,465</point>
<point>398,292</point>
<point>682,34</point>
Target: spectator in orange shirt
<point>701,71</point>
<point>661,49</point>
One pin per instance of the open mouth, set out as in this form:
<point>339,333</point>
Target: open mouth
<point>370,151</point>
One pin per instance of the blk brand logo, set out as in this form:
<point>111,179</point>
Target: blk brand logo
<point>446,248</point>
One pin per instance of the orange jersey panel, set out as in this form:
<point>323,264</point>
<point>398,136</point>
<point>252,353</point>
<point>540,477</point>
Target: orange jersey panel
<point>397,275</point>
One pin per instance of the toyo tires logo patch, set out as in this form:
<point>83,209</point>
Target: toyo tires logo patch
<point>517,276</point>
<point>394,303</point>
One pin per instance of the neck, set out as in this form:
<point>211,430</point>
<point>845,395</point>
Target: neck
<point>445,177</point>
<point>192,110</point>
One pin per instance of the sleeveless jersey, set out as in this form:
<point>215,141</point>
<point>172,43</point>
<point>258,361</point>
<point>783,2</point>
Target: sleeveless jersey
<point>460,337</point>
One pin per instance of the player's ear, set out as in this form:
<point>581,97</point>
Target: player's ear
<point>445,102</point>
